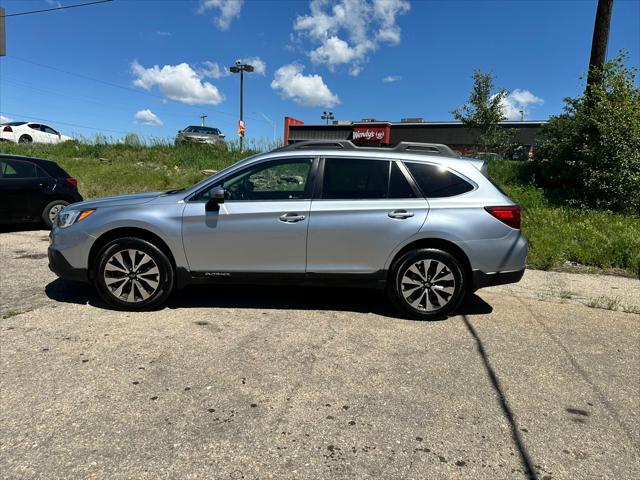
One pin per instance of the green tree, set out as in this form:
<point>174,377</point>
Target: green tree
<point>590,154</point>
<point>483,113</point>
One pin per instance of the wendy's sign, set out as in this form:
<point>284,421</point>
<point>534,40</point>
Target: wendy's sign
<point>371,133</point>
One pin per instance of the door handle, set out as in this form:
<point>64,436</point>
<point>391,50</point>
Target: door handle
<point>400,214</point>
<point>291,218</point>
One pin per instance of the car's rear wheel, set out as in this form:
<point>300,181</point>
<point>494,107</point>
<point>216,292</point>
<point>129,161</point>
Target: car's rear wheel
<point>51,211</point>
<point>427,284</point>
<point>133,274</point>
<point>25,139</point>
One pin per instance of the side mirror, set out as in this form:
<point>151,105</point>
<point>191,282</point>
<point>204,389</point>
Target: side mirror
<point>217,197</point>
<point>222,135</point>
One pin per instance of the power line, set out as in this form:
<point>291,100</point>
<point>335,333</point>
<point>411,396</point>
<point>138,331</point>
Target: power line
<point>61,7</point>
<point>115,85</point>
<point>57,122</point>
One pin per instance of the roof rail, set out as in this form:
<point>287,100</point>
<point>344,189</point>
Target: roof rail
<point>408,147</point>
<point>319,144</point>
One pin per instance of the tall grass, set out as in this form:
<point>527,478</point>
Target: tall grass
<point>113,169</point>
<point>558,234</point>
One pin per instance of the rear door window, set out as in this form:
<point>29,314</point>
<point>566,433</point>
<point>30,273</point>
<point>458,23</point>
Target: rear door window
<point>355,179</point>
<point>17,169</point>
<point>436,181</point>
<point>398,185</point>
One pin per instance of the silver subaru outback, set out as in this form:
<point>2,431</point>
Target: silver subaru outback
<point>416,220</point>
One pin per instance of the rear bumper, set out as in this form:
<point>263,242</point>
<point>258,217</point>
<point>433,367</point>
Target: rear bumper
<point>482,280</point>
<point>61,267</point>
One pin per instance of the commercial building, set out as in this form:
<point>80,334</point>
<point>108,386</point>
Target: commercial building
<point>371,131</point>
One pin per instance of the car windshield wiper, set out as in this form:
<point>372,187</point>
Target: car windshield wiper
<point>169,192</point>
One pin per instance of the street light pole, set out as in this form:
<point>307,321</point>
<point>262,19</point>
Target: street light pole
<point>202,117</point>
<point>240,68</point>
<point>327,116</point>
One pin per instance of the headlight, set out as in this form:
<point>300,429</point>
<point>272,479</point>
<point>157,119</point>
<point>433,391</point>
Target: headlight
<point>66,218</point>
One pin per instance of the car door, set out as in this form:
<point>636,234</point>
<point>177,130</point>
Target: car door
<point>19,191</point>
<point>366,209</point>
<point>34,130</point>
<point>49,134</point>
<point>260,227</point>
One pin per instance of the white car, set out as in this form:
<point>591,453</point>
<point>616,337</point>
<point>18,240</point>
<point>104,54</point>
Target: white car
<point>28,132</point>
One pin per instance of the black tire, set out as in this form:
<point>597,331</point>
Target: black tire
<point>49,212</point>
<point>435,295</point>
<point>142,283</point>
<point>25,139</point>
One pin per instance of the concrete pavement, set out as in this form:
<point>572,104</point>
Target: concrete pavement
<point>253,382</point>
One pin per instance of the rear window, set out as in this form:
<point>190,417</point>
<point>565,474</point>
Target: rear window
<point>437,182</point>
<point>55,170</point>
<point>13,124</point>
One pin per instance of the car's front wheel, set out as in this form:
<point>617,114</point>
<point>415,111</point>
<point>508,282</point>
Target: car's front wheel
<point>133,274</point>
<point>427,284</point>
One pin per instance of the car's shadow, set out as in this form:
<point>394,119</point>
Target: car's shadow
<point>262,297</point>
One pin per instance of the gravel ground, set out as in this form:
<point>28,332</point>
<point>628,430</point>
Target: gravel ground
<point>252,382</point>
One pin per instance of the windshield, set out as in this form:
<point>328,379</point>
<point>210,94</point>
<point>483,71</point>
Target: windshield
<point>203,130</point>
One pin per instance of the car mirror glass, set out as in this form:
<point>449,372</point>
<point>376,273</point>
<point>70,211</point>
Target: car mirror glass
<point>216,198</point>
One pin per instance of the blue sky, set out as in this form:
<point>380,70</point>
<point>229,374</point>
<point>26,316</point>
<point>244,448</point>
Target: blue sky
<point>152,66</point>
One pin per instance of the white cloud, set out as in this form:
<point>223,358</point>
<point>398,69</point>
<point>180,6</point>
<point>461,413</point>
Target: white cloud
<point>163,34</point>
<point>228,10</point>
<point>391,78</point>
<point>347,31</point>
<point>213,70</point>
<point>147,117</point>
<point>519,100</point>
<point>216,70</point>
<point>4,119</point>
<point>259,65</point>
<point>54,3</point>
<point>180,83</point>
<point>306,90</point>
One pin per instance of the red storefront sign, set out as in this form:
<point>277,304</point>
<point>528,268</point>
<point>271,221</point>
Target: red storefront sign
<point>371,133</point>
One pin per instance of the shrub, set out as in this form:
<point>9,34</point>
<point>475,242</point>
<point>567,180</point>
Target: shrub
<point>590,154</point>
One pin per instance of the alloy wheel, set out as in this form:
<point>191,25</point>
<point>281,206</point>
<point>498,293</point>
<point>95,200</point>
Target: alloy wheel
<point>54,211</point>
<point>131,275</point>
<point>428,285</point>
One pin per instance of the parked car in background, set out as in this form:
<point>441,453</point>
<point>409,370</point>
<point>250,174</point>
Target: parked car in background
<point>416,219</point>
<point>34,190</point>
<point>29,132</point>
<point>196,134</point>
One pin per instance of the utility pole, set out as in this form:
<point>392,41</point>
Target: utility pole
<point>521,115</point>
<point>240,67</point>
<point>202,117</point>
<point>599,42</point>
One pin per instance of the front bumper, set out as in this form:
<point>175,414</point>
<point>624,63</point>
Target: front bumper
<point>61,267</point>
<point>482,280</point>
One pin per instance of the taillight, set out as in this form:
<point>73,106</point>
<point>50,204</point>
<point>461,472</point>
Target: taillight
<point>7,129</point>
<point>509,215</point>
<point>72,181</point>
